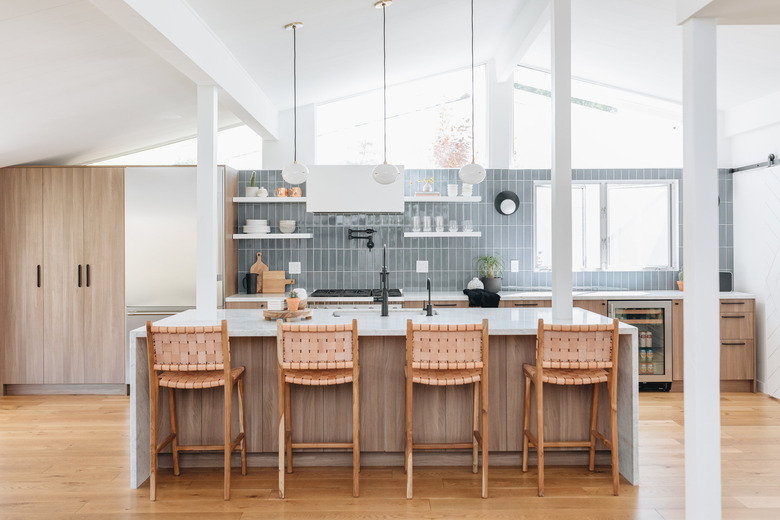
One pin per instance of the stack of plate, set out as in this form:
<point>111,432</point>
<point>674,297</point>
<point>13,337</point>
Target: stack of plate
<point>276,305</point>
<point>256,227</point>
<point>286,226</point>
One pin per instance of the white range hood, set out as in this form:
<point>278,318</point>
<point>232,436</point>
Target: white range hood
<point>352,189</point>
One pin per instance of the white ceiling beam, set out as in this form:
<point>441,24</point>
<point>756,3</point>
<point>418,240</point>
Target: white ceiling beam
<point>534,15</point>
<point>731,12</point>
<point>174,30</point>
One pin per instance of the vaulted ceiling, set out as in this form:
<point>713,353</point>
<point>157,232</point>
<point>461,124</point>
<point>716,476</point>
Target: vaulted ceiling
<point>78,86</point>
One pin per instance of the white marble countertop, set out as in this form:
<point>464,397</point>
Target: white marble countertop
<point>501,322</point>
<point>505,295</point>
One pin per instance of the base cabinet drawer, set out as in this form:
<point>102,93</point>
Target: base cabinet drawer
<point>436,304</point>
<point>245,305</point>
<point>525,304</point>
<point>737,305</point>
<point>737,325</point>
<point>737,359</point>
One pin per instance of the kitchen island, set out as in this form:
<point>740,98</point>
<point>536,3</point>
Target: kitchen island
<point>441,413</point>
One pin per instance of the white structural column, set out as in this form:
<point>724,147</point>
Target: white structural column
<point>561,160</point>
<point>700,253</point>
<point>206,250</point>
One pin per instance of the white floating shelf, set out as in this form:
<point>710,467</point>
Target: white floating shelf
<point>267,200</point>
<point>444,234</point>
<point>271,236</point>
<point>442,199</point>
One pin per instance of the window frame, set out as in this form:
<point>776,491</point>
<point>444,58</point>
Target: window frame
<point>674,223</point>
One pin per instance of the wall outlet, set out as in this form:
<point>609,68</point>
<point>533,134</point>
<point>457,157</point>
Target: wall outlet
<point>514,266</point>
<point>294,268</point>
<point>422,266</point>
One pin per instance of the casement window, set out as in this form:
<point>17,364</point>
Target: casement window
<point>616,226</point>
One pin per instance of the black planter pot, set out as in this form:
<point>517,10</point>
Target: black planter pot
<point>492,284</point>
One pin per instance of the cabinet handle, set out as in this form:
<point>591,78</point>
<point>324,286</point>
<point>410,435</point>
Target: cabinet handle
<point>735,343</point>
<point>732,303</point>
<point>445,304</point>
<point>733,317</point>
<point>526,304</point>
<point>79,275</point>
<point>39,275</point>
<point>87,275</point>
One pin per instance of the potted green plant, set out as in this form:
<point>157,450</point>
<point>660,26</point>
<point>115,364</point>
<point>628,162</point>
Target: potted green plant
<point>490,268</point>
<point>680,280</point>
<point>293,300</point>
<point>251,190</point>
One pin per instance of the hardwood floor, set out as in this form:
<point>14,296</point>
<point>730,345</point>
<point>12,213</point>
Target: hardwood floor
<point>67,457</point>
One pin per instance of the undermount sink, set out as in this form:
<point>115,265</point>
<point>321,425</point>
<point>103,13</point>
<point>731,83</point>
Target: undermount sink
<point>376,312</point>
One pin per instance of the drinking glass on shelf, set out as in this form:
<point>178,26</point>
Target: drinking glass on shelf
<point>439,224</point>
<point>453,226</point>
<point>468,226</point>
<point>416,223</point>
<point>426,223</point>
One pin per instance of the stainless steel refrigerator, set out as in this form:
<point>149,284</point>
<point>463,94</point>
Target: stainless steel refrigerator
<point>654,321</point>
<point>160,240</point>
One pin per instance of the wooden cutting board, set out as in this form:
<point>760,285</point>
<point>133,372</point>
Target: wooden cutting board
<point>275,282</point>
<point>287,315</point>
<point>259,268</point>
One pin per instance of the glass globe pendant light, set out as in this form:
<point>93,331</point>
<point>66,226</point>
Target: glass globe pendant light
<point>385,173</point>
<point>295,173</point>
<point>472,173</point>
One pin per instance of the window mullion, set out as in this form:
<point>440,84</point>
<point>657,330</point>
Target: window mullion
<point>604,227</point>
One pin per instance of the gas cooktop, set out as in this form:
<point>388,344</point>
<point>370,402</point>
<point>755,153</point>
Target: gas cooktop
<point>354,293</point>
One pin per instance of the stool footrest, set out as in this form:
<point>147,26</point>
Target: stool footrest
<point>305,445</point>
<point>206,447</point>
<point>443,446</point>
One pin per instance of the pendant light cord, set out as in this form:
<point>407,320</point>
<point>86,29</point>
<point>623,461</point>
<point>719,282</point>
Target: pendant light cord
<point>295,98</point>
<point>472,83</point>
<point>384,76</point>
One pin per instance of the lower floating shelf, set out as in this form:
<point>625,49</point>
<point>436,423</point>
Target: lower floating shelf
<point>271,236</point>
<point>443,234</point>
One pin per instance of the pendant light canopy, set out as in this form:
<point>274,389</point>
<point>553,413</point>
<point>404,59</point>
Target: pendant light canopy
<point>295,173</point>
<point>472,173</point>
<point>385,173</point>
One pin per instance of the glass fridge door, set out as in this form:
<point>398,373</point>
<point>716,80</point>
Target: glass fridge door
<point>653,321</point>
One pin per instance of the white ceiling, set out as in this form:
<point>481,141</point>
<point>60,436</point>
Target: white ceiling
<point>77,87</point>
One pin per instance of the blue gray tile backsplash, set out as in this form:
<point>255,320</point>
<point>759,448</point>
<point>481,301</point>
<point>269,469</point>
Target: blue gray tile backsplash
<point>330,260</point>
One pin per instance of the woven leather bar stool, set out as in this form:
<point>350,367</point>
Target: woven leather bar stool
<point>447,355</point>
<point>317,355</point>
<point>190,358</point>
<point>573,355</point>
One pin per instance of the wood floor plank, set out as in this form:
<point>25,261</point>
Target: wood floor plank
<point>67,457</point>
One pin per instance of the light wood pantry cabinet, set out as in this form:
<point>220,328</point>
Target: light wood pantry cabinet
<point>74,225</point>
<point>597,306</point>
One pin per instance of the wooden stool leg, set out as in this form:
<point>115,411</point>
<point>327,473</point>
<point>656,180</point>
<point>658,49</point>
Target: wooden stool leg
<point>355,437</point>
<point>485,444</point>
<point>613,420</point>
<point>540,434</point>
<point>474,429</point>
<point>526,419</point>
<point>288,426</point>
<point>409,414</point>
<point>594,410</point>
<point>174,430</point>
<point>228,435</point>
<point>281,444</point>
<point>241,425</point>
<point>153,440</point>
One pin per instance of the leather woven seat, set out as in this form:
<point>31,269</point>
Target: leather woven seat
<point>193,358</point>
<point>561,376</point>
<point>318,377</point>
<point>446,377</point>
<point>195,380</point>
<point>448,355</point>
<point>573,355</point>
<point>317,355</point>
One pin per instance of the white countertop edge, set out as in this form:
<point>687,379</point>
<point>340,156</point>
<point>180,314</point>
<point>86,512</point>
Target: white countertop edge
<point>501,322</point>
